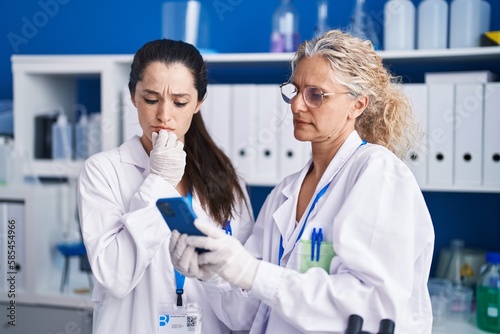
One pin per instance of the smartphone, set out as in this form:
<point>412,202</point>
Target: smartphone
<point>179,215</point>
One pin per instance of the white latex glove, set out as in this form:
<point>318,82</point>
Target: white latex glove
<point>185,258</point>
<point>226,257</point>
<point>167,158</point>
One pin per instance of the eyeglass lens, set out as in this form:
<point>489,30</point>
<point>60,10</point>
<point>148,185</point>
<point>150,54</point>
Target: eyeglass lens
<point>313,96</point>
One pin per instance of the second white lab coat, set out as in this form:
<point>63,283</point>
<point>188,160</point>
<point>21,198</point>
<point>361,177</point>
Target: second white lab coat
<point>127,242</point>
<point>376,217</point>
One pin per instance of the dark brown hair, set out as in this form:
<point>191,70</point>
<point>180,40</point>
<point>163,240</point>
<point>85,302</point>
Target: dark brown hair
<point>209,170</point>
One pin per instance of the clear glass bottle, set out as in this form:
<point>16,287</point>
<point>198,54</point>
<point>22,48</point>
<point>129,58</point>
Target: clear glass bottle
<point>285,32</point>
<point>456,265</point>
<point>81,133</point>
<point>488,295</point>
<point>362,24</point>
<point>322,23</point>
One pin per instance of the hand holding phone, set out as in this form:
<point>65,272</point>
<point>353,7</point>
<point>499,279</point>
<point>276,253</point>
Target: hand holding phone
<point>179,215</point>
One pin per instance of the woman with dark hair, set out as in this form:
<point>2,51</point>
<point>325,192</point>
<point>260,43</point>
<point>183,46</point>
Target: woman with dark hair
<point>126,238</point>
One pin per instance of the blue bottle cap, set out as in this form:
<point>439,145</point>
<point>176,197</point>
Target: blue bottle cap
<point>493,257</point>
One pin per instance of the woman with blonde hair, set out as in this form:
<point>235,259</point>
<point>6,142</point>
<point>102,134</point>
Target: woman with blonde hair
<point>350,233</point>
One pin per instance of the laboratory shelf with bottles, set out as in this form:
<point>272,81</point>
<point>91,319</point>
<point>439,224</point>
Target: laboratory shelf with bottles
<point>44,81</point>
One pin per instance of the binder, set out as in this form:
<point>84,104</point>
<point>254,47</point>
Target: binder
<point>491,151</point>
<point>130,118</point>
<point>293,153</point>
<point>417,158</point>
<point>216,113</point>
<point>244,143</point>
<point>468,122</point>
<point>269,118</point>
<point>440,134</point>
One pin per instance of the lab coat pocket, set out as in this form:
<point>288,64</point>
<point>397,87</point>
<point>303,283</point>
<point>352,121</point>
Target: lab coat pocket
<point>310,258</point>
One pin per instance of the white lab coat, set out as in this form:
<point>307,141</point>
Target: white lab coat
<point>127,242</point>
<point>375,215</point>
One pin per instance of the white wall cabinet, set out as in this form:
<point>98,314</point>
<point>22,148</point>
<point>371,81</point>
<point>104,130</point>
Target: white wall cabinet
<point>40,219</point>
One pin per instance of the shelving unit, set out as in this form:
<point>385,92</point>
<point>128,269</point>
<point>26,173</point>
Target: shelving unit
<point>41,81</point>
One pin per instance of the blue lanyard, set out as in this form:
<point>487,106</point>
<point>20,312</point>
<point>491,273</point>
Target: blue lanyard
<point>316,199</point>
<point>180,278</point>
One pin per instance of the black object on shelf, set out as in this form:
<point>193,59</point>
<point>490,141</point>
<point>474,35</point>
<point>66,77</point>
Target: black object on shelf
<point>43,136</point>
<point>355,324</point>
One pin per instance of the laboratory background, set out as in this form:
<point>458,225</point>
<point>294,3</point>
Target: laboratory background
<point>65,64</point>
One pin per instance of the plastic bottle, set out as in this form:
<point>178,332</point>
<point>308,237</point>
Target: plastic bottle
<point>465,23</point>
<point>399,25</point>
<point>488,295</point>
<point>322,23</point>
<point>285,32</point>
<point>62,135</point>
<point>456,262</point>
<point>81,138</point>
<point>94,137</point>
<point>485,17</point>
<point>432,24</point>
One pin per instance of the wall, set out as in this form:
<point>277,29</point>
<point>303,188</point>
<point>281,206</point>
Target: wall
<point>92,26</point>
<point>121,27</point>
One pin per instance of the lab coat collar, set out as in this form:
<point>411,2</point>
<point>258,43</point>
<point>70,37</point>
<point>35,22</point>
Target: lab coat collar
<point>351,144</point>
<point>284,216</point>
<point>132,152</point>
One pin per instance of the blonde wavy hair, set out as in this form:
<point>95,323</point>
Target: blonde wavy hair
<point>388,118</point>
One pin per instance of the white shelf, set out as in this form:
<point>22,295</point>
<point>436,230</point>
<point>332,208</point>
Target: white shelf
<point>42,80</point>
<point>456,327</point>
<point>95,63</point>
<point>80,301</point>
<point>461,188</point>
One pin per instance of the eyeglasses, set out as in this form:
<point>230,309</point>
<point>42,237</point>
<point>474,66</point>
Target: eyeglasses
<point>313,96</point>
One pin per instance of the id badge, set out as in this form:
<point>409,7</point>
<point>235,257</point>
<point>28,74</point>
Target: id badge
<point>179,319</point>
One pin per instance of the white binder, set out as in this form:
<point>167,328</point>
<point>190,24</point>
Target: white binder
<point>440,134</point>
<point>491,156</point>
<point>244,151</point>
<point>269,118</point>
<point>417,158</point>
<point>468,123</point>
<point>293,153</point>
<point>130,118</point>
<point>216,113</point>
